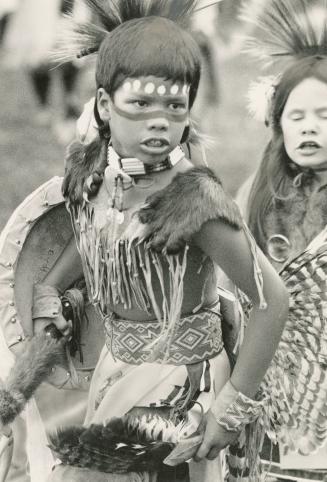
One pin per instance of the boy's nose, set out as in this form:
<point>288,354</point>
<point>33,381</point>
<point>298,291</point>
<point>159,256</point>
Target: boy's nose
<point>158,123</point>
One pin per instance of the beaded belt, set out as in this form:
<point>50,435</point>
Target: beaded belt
<point>198,337</point>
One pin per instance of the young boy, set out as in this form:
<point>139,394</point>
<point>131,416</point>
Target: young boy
<point>150,232</point>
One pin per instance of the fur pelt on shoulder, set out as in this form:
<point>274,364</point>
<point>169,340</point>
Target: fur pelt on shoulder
<point>175,213</point>
<point>299,218</point>
<point>81,162</point>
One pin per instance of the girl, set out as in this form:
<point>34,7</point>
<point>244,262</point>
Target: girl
<point>285,201</point>
<point>286,205</point>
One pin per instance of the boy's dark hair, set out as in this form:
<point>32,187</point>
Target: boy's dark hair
<point>132,38</point>
<point>148,46</point>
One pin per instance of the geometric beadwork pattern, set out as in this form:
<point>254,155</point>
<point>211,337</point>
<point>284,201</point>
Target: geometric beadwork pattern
<point>197,337</point>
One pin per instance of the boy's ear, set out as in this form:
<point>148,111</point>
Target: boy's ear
<point>103,104</point>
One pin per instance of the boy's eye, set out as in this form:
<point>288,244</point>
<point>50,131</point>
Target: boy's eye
<point>140,103</point>
<point>177,106</point>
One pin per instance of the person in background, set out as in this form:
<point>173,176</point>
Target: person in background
<point>28,42</point>
<point>284,202</point>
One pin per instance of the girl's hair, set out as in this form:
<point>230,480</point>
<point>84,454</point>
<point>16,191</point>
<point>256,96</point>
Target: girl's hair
<point>148,46</point>
<point>277,170</point>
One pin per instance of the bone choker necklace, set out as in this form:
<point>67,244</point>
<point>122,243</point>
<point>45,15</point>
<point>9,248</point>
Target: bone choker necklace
<point>134,167</point>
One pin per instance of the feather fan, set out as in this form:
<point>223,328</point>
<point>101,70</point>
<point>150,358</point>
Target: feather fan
<point>126,444</point>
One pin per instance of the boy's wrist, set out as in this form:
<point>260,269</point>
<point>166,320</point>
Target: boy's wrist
<point>46,302</point>
<point>233,410</point>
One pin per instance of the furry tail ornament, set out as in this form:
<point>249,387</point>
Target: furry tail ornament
<point>132,443</point>
<point>41,354</point>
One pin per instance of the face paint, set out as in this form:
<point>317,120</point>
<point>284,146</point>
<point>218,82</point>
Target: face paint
<point>148,117</point>
<point>151,97</point>
<point>139,116</point>
<point>155,85</point>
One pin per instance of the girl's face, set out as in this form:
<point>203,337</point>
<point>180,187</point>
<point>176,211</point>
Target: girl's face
<point>304,124</point>
<point>147,117</point>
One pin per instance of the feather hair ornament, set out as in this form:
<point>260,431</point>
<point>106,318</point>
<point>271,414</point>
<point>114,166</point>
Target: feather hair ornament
<point>260,97</point>
<point>79,39</point>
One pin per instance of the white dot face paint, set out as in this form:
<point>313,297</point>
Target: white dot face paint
<point>174,89</point>
<point>149,88</point>
<point>161,90</point>
<point>185,89</point>
<point>127,86</point>
<point>136,85</point>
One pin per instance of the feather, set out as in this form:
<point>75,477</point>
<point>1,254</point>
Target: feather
<point>296,382</point>
<point>126,444</point>
<point>260,96</point>
<point>78,39</point>
<point>286,28</point>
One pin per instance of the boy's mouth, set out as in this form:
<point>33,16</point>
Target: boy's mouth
<point>156,142</point>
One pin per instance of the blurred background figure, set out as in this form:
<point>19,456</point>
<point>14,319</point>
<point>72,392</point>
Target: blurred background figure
<point>7,7</point>
<point>28,40</point>
<point>204,27</point>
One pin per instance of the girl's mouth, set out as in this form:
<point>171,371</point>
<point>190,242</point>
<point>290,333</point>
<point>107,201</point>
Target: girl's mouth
<point>309,147</point>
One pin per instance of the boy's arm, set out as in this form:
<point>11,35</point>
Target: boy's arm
<point>67,270</point>
<point>230,249</point>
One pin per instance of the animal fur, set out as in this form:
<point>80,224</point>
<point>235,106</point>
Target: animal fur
<point>178,211</point>
<point>172,214</point>
<point>81,161</point>
<point>41,354</point>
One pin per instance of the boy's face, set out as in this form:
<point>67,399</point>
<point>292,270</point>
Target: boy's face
<point>147,117</point>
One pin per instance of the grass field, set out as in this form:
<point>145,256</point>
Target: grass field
<point>30,154</point>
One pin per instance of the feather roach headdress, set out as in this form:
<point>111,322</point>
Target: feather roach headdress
<point>134,38</point>
<point>287,32</point>
<point>80,39</point>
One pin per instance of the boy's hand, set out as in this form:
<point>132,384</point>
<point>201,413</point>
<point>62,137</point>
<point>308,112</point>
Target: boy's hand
<point>64,326</point>
<point>215,439</point>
